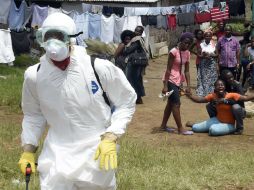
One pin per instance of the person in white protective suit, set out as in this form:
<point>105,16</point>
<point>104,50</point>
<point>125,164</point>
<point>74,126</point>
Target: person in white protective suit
<point>79,151</point>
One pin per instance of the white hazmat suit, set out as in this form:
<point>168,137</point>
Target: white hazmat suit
<point>71,103</point>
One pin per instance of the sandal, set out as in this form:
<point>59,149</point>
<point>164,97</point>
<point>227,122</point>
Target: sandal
<point>186,133</point>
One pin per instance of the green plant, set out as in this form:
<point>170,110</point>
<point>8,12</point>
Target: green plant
<point>24,60</point>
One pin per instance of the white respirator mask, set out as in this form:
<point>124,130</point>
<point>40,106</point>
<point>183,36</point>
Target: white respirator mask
<point>56,50</point>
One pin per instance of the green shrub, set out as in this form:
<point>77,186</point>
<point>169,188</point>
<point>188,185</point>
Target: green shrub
<point>24,60</point>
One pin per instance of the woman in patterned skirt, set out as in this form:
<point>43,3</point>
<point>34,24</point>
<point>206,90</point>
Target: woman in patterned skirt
<point>208,68</point>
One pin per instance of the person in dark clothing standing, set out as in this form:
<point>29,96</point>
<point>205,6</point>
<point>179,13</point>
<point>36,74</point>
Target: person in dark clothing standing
<point>134,73</point>
<point>126,37</point>
<point>238,109</point>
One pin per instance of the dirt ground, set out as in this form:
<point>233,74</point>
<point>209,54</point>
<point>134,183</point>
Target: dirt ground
<point>148,116</point>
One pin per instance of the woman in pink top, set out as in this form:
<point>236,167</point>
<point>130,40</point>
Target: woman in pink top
<point>173,79</point>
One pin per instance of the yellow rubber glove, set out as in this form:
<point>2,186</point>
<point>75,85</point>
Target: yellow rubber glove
<point>26,158</point>
<point>107,153</point>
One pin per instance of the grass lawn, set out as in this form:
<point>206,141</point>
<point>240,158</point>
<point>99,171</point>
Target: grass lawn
<point>147,167</point>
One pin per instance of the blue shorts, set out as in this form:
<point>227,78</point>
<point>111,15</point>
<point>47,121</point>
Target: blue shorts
<point>175,96</point>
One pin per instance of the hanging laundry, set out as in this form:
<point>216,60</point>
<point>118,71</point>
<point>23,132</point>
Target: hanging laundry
<point>97,9</point>
<point>20,42</point>
<point>236,7</point>
<point>191,7</point>
<point>161,22</point>
<point>154,11</point>
<point>52,10</point>
<point>209,3</point>
<point>241,10</point>
<point>223,6</point>
<point>168,10</point>
<point>220,13</point>
<point>202,17</point>
<point>107,28</point>
<point>118,28</point>
<point>28,14</point>
<point>86,8</point>
<point>201,3</point>
<point>71,6</point>
<point>131,22</point>
<point>4,11</point>
<point>203,6</point>
<point>216,3</point>
<point>233,7</point>
<point>144,20</point>
<point>69,13</point>
<point>178,10</point>
<point>152,20</point>
<point>16,16</point>
<point>81,21</point>
<point>171,21</point>
<point>139,11</point>
<point>107,11</point>
<point>129,11</point>
<point>185,18</point>
<point>94,26</point>
<point>39,15</point>
<point>183,8</point>
<point>119,11</point>
<point>6,51</point>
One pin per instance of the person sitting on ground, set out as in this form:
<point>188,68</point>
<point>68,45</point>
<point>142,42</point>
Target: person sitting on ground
<point>172,80</point>
<point>237,108</point>
<point>223,122</point>
<point>126,37</point>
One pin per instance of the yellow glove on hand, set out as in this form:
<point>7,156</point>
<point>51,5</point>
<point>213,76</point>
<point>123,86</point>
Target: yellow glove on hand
<point>107,153</point>
<point>26,158</point>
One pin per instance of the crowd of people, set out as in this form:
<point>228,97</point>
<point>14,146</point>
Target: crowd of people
<point>88,102</point>
<point>219,63</point>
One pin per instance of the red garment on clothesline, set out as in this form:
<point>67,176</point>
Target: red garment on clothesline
<point>202,17</point>
<point>218,15</point>
<point>171,21</point>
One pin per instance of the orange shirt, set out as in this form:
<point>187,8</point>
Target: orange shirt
<point>224,113</point>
